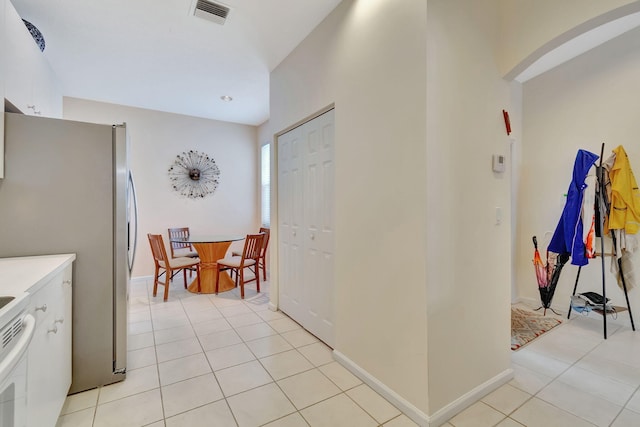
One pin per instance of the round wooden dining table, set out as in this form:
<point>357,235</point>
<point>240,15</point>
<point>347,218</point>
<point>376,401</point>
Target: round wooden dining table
<point>210,249</point>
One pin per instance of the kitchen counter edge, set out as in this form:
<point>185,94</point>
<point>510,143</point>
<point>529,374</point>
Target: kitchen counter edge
<point>28,274</point>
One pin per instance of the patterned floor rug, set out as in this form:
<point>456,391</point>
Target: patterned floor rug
<point>527,326</point>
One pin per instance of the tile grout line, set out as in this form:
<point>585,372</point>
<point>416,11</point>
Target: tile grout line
<point>557,378</point>
<point>149,309</point>
<point>572,365</point>
<point>210,367</point>
<point>155,349</point>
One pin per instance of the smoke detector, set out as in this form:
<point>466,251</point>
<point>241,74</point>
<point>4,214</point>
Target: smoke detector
<point>211,11</point>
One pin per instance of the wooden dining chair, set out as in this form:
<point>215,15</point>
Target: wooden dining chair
<point>238,264</point>
<point>169,266</point>
<point>181,249</point>
<point>262,260</point>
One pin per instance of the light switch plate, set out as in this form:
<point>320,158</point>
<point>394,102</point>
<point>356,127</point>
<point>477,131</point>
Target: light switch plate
<point>498,163</point>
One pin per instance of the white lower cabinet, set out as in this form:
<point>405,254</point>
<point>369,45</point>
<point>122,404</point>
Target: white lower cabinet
<point>49,356</point>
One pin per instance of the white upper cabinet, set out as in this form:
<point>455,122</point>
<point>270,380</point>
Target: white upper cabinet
<point>2,61</point>
<point>29,83</point>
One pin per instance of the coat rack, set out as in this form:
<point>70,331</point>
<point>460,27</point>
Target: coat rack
<point>603,207</point>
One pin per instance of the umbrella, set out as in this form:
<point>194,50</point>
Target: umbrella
<point>554,268</point>
<point>547,275</point>
<point>538,265</point>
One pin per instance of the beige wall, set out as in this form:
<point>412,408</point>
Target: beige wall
<point>369,57</point>
<point>579,105</point>
<point>156,139</point>
<point>416,126</point>
<point>468,259</point>
<point>532,28</point>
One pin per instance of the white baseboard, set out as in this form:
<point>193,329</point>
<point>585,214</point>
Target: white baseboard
<point>443,415</point>
<point>439,417</point>
<point>398,401</point>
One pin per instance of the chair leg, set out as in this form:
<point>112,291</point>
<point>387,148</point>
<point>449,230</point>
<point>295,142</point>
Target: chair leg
<point>257,278</point>
<point>241,271</point>
<point>198,278</point>
<point>217,277</point>
<point>264,269</point>
<point>184,273</point>
<point>166,285</point>
<point>155,282</point>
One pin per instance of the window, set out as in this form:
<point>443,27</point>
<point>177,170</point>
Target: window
<point>265,181</point>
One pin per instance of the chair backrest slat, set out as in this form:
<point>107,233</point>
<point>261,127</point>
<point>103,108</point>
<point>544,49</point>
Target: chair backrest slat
<point>179,232</point>
<point>252,246</point>
<point>157,247</point>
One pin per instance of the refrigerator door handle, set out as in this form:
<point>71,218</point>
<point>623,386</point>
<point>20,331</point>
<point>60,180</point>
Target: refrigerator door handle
<point>132,222</point>
<point>120,291</point>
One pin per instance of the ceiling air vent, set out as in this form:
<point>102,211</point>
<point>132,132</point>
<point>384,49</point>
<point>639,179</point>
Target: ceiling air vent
<point>211,11</point>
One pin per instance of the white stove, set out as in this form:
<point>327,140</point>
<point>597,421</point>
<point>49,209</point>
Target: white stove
<point>16,331</point>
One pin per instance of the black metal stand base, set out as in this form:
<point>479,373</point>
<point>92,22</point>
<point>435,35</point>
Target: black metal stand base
<point>545,311</point>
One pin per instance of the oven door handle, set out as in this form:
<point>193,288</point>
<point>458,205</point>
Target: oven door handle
<point>15,355</point>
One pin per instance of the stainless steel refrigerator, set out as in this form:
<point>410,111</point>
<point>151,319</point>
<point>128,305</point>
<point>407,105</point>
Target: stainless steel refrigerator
<point>67,189</point>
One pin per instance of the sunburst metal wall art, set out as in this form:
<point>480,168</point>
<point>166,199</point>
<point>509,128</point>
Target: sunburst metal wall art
<point>194,174</point>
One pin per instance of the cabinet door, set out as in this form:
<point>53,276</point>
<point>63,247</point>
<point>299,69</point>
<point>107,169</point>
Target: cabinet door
<point>61,343</point>
<point>49,356</point>
<point>46,96</point>
<point>3,54</point>
<point>20,58</point>
<point>30,84</point>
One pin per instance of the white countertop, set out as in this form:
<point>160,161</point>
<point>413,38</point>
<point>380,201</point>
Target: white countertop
<point>19,274</point>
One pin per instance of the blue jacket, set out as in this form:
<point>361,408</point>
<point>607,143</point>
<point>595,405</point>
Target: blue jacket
<point>568,235</point>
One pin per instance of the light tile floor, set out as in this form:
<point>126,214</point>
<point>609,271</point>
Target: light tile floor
<point>206,360</point>
<point>568,377</point>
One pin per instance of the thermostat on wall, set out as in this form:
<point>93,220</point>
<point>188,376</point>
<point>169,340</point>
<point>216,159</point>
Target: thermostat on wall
<point>498,163</point>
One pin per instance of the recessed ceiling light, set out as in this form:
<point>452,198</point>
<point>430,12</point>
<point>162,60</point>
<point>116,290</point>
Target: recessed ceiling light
<point>226,98</point>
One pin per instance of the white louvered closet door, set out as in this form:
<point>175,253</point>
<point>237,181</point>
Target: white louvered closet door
<point>306,225</point>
